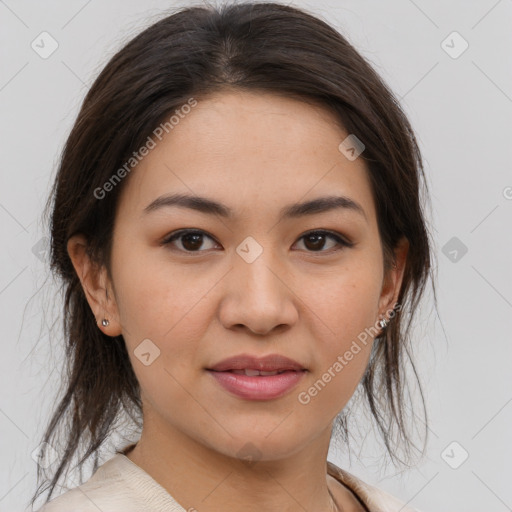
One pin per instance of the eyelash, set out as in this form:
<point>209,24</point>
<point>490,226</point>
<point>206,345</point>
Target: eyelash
<point>331,234</point>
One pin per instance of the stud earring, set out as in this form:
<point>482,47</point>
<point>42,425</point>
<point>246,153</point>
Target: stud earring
<point>105,322</point>
<point>383,323</point>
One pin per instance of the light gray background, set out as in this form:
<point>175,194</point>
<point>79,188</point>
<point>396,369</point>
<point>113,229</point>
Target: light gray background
<point>461,109</point>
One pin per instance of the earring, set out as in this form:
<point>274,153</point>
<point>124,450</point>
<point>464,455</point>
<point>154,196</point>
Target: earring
<point>383,323</point>
<point>105,322</point>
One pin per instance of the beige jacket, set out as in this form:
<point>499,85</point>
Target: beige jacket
<point>119,485</point>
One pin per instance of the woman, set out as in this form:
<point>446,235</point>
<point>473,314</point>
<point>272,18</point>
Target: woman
<point>238,226</point>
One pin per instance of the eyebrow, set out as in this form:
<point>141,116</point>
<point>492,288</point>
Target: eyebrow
<point>211,207</point>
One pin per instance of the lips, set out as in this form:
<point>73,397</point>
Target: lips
<point>247,363</point>
<point>254,373</point>
<point>253,378</point>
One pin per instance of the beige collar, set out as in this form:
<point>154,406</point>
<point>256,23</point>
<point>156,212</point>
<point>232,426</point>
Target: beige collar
<point>373,498</point>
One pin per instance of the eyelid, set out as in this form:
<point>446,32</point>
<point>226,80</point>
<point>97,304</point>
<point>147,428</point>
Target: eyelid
<point>334,234</point>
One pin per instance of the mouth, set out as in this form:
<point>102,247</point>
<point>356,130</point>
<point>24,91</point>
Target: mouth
<point>256,373</point>
<point>248,386</point>
<point>252,378</point>
<point>270,364</point>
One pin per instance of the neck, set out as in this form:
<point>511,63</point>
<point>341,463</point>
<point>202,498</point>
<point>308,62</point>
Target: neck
<point>200,478</point>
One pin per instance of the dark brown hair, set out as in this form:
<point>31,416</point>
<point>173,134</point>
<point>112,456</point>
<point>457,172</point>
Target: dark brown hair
<point>197,51</point>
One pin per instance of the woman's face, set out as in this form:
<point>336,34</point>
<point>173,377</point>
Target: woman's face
<point>265,279</point>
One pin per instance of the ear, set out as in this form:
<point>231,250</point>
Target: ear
<point>96,285</point>
<point>392,282</point>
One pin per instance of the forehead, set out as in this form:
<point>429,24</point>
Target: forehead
<point>250,150</point>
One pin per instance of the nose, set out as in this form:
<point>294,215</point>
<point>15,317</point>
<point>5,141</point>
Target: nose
<point>258,296</point>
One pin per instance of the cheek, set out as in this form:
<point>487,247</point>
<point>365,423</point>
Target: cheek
<point>344,313</point>
<point>154,297</point>
<point>344,302</point>
<point>170,306</point>
<point>157,302</point>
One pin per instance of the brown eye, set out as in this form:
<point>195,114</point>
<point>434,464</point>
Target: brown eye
<point>315,241</point>
<point>190,241</point>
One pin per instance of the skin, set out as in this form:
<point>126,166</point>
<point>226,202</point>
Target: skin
<point>255,153</point>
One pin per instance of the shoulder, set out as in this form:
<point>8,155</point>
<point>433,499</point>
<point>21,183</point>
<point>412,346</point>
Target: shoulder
<point>375,499</point>
<point>108,489</point>
<point>118,485</point>
<point>74,499</point>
